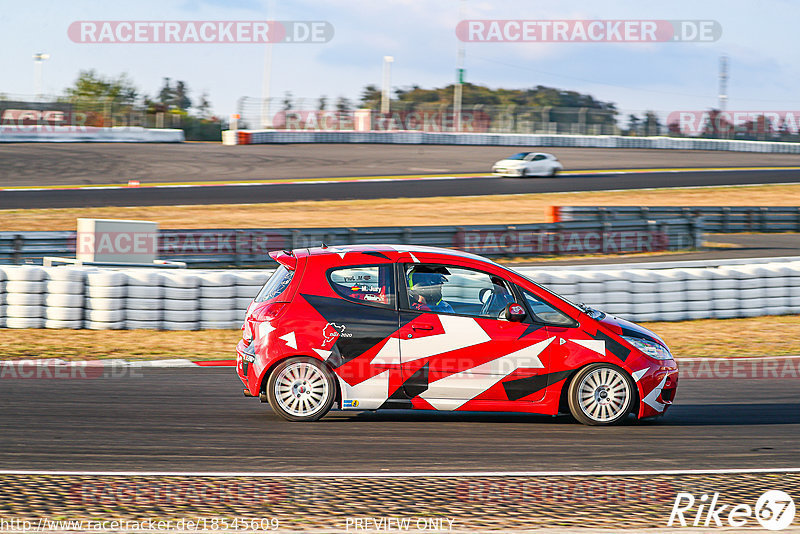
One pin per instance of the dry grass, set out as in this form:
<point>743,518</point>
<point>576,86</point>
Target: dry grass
<point>714,338</point>
<point>119,344</point>
<point>758,336</point>
<point>489,209</point>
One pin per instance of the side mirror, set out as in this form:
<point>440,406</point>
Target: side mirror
<point>515,313</point>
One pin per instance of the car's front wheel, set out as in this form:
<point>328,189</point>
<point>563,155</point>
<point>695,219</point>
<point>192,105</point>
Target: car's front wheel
<point>301,389</point>
<point>601,394</point>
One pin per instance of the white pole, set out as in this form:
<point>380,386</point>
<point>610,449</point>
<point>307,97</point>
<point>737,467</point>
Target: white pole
<point>387,83</point>
<point>459,88</point>
<point>37,73</point>
<point>723,83</point>
<point>266,120</point>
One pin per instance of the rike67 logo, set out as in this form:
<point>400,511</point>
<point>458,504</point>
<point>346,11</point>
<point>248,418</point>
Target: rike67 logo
<point>774,510</point>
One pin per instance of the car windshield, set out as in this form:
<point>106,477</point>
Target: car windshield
<point>519,155</point>
<point>565,299</point>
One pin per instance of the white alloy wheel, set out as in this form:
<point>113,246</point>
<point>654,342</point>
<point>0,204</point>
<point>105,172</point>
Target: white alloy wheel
<point>600,394</point>
<point>301,389</point>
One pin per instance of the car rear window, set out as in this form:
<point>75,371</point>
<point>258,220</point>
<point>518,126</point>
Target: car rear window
<point>276,284</point>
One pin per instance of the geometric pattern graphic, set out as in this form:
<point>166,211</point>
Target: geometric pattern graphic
<point>453,391</point>
<point>388,358</point>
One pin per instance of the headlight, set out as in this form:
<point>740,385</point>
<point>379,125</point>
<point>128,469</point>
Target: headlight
<point>651,348</point>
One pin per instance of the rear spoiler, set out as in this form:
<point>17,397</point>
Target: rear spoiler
<point>285,258</point>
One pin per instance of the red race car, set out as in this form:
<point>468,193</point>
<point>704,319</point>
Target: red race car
<point>366,327</point>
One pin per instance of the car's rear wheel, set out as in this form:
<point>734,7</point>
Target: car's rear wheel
<point>301,389</point>
<point>553,171</point>
<point>601,394</point>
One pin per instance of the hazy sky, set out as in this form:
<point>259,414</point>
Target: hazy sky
<point>759,37</point>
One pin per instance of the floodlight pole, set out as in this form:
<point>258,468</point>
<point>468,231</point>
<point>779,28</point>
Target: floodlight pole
<point>387,83</point>
<point>37,73</point>
<point>459,87</point>
<point>266,120</point>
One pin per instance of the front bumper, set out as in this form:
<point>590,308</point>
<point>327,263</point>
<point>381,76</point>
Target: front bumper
<point>504,171</point>
<point>657,389</point>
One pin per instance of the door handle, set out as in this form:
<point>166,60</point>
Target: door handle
<point>422,327</point>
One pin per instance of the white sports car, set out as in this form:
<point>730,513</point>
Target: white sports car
<point>528,164</point>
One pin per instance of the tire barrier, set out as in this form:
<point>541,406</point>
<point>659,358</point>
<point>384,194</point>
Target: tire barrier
<point>65,299</point>
<point>679,294</point>
<point>24,296</point>
<point>255,137</point>
<point>106,299</point>
<point>132,299</point>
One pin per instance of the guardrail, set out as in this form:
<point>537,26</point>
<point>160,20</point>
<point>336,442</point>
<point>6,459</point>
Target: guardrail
<point>253,137</point>
<point>44,133</point>
<point>716,219</point>
<point>242,247</point>
<point>102,299</point>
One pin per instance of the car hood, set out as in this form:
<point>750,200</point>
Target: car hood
<point>627,328</point>
<point>510,162</point>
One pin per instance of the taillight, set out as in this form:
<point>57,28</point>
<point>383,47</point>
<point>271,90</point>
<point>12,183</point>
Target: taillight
<point>247,331</point>
<point>266,312</point>
<point>260,314</point>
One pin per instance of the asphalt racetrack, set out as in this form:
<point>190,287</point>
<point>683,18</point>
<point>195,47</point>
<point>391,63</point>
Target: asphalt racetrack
<point>32,164</point>
<point>188,166</point>
<point>197,420</point>
<point>374,189</point>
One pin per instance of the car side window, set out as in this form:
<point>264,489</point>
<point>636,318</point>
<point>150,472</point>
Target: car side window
<point>545,312</point>
<point>276,284</point>
<point>449,289</point>
<point>369,284</point>
<point>538,157</point>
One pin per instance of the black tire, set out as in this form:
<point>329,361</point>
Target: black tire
<point>597,386</point>
<point>553,172</point>
<point>295,397</point>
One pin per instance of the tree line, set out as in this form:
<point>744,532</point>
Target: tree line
<point>92,91</point>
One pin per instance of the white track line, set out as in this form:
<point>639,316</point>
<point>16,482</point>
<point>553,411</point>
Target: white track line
<point>243,184</point>
<point>404,474</point>
<point>412,178</point>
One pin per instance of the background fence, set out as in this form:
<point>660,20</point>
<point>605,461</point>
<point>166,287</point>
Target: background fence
<point>247,137</point>
<point>225,247</point>
<point>60,118</point>
<point>102,299</point>
<point>716,219</point>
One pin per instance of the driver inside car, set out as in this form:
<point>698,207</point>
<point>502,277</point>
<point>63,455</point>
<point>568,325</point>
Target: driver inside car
<point>425,291</point>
